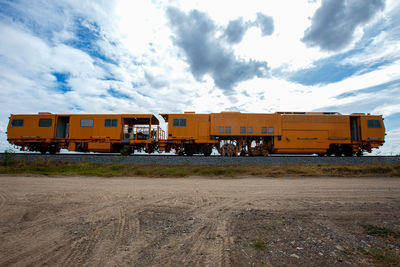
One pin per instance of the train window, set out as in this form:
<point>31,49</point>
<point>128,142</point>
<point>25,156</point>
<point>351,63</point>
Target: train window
<point>179,122</point>
<point>249,129</point>
<point>86,122</point>
<point>110,123</point>
<point>279,138</point>
<point>221,129</point>
<point>242,130</point>
<point>228,129</point>
<point>374,124</point>
<point>270,130</point>
<point>45,122</point>
<point>264,130</point>
<point>17,123</point>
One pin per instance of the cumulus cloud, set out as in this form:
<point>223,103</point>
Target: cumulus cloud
<point>196,33</point>
<point>334,23</point>
<point>237,28</point>
<point>235,31</point>
<point>266,24</point>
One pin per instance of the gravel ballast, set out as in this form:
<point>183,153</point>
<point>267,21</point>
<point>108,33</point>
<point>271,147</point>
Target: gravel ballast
<point>202,160</point>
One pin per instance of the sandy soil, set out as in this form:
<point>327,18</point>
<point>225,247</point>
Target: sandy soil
<point>69,221</point>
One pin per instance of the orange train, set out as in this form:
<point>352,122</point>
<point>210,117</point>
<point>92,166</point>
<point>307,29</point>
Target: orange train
<point>229,133</point>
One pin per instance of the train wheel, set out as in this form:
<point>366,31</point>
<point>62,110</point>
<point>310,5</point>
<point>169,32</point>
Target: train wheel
<point>228,150</point>
<point>206,150</point>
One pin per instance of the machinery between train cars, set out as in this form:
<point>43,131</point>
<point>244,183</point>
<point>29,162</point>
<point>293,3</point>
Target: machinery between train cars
<point>228,133</point>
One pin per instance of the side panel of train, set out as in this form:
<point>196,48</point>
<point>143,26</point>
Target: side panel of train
<point>47,132</point>
<point>301,133</point>
<point>189,133</point>
<point>235,133</point>
<point>313,134</point>
<point>33,132</point>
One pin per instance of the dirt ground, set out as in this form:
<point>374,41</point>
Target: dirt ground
<point>69,221</point>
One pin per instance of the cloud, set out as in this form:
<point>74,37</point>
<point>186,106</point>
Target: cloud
<point>235,31</point>
<point>334,23</point>
<point>392,85</point>
<point>196,33</point>
<point>266,24</point>
<point>334,69</point>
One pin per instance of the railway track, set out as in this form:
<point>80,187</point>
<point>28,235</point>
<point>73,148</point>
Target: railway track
<point>162,159</point>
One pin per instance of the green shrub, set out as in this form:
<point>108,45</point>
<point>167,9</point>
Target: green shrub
<point>376,230</point>
<point>8,158</point>
<point>259,244</point>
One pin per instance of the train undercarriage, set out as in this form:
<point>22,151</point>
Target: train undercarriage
<point>228,147</point>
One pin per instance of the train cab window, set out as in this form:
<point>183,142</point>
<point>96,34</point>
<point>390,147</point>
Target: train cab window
<point>270,130</point>
<point>179,122</point>
<point>228,129</point>
<point>242,130</point>
<point>264,130</point>
<point>110,123</point>
<point>45,122</point>
<point>374,124</point>
<point>86,122</point>
<point>17,123</point>
<point>221,129</point>
<point>249,129</point>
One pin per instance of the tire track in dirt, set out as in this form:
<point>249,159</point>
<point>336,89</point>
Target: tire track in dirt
<point>30,256</point>
<point>5,197</point>
<point>81,247</point>
<point>215,242</point>
<point>111,231</point>
<point>206,244</point>
<point>28,229</point>
<point>68,241</point>
<point>122,232</point>
<point>119,229</point>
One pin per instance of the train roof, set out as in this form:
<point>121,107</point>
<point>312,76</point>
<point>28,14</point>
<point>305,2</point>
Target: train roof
<point>139,118</point>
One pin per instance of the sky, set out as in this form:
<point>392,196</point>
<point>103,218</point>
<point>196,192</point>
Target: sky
<point>131,56</point>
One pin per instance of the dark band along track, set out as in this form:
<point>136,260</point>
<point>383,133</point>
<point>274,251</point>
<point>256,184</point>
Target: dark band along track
<point>163,159</point>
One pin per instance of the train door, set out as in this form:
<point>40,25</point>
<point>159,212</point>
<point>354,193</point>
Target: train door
<point>62,127</point>
<point>355,128</point>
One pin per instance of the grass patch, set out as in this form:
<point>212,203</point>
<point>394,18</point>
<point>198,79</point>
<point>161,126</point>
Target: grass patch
<point>9,165</point>
<point>259,244</point>
<point>376,230</point>
<point>383,257</point>
<point>8,158</point>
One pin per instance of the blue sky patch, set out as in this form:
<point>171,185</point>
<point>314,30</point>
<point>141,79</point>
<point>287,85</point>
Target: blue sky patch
<point>62,81</point>
<point>330,70</point>
<point>392,121</point>
<point>117,94</point>
<point>372,89</point>
<point>19,12</point>
<point>86,36</point>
